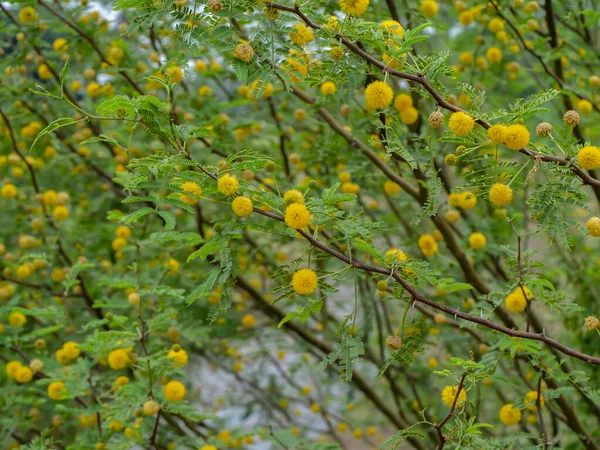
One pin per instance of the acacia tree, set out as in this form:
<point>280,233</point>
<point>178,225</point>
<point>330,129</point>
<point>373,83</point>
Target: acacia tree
<point>319,225</point>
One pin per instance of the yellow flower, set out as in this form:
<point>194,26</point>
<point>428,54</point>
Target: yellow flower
<point>228,185</point>
<point>248,321</point>
<point>477,240</point>
<point>302,34</point>
<point>328,88</point>
<point>17,319</point>
<point>151,408</point>
<point>461,124</point>
<point>93,89</point>
<point>297,216</point>
<point>500,194</point>
<point>44,72</point>
<point>467,200</point>
<point>119,382</point>
<point>495,25</point>
<point>378,95</point>
<point>118,359</point>
<point>494,55</point>
<point>172,265</point>
<point>392,27</point>
<point>402,102</point>
<point>515,301</point>
<point>190,187</point>
<point>27,15</point>
<point>242,206</point>
<point>510,415</point>
<point>497,134</point>
<point>179,357</point>
<point>589,157</point>
<point>429,8</point>
<point>12,367</point>
<point>449,393</point>
<point>409,116</point>
<point>465,18</point>
<point>354,7</point>
<point>174,73</point>
<point>584,106</point>
<point>304,281</point>
<point>243,52</point>
<point>391,187</point>
<point>531,400</point>
<point>593,226</point>
<point>293,196</point>
<point>517,137</point>
<point>57,390</point>
<point>23,375</point>
<point>428,245</point>
<point>60,45</point>
<point>60,212</point>
<point>350,188</point>
<point>174,391</point>
<point>9,191</point>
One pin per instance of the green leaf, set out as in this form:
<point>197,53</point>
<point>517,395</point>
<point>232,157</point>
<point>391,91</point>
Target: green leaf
<point>52,126</point>
<point>117,106</point>
<point>169,219</point>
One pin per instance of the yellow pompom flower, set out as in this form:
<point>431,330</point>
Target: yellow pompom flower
<point>409,116</point>
<point>242,206</point>
<point>510,415</point>
<point>12,367</point>
<point>179,357</point>
<point>495,25</point>
<point>461,123</point>
<point>27,15</point>
<point>477,240</point>
<point>391,187</point>
<point>449,393</point>
<point>429,8</point>
<point>516,302</point>
<point>297,216</point>
<point>531,400</point>
<point>248,321</point>
<point>151,408</point>
<point>44,72</point>
<point>493,55</point>
<point>392,27</point>
<point>403,102</point>
<point>500,194</point>
<point>466,18</point>
<point>174,391</point>
<point>118,359</point>
<point>497,134</point>
<point>593,226</point>
<point>328,88</point>
<point>517,137</point>
<point>354,7</point>
<point>588,157</point>
<point>305,281</point>
<point>293,196</point>
<point>190,187</point>
<point>23,375</point>
<point>57,390</point>
<point>60,45</point>
<point>8,191</point>
<point>17,319</point>
<point>428,245</point>
<point>467,200</point>
<point>585,106</point>
<point>301,35</point>
<point>61,212</point>
<point>228,184</point>
<point>378,95</point>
